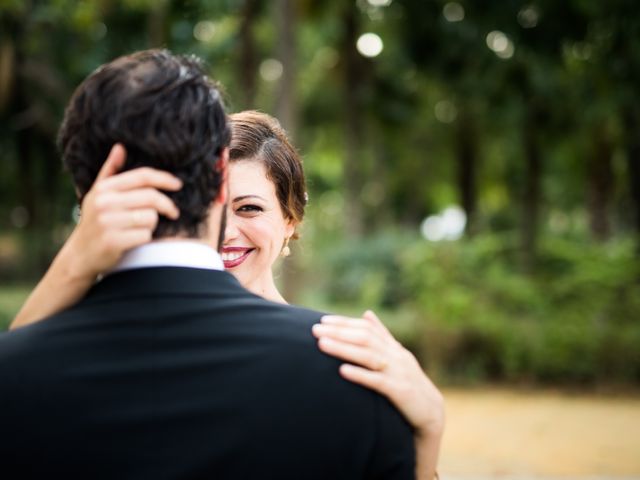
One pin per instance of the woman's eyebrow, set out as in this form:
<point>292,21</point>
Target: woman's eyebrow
<point>244,197</point>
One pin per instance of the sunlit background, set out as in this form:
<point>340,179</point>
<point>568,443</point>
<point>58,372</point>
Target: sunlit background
<point>473,173</point>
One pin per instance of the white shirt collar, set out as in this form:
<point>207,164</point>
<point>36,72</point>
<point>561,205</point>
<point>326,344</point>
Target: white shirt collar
<point>179,253</point>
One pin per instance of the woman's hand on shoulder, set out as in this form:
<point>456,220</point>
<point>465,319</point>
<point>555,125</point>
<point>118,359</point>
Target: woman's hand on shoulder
<point>120,212</point>
<point>376,360</point>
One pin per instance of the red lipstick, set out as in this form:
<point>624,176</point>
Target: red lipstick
<point>234,256</point>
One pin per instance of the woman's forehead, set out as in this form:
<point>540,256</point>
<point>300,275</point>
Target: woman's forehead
<point>249,177</point>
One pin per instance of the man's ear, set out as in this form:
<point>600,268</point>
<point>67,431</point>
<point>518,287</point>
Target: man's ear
<point>222,166</point>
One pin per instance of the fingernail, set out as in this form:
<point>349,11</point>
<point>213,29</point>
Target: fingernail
<point>346,368</point>
<point>328,319</point>
<point>319,328</point>
<point>325,342</point>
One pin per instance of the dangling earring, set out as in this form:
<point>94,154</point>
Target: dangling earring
<point>286,251</point>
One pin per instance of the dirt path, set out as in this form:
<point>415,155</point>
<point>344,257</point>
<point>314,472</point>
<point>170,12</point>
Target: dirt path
<point>505,434</point>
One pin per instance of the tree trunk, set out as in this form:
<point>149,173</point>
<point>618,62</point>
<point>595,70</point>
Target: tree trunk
<point>467,160</point>
<point>379,186</point>
<point>7,71</point>
<point>26,189</point>
<point>531,200</point>
<point>353,120</point>
<point>248,67</point>
<point>157,24</point>
<point>286,48</point>
<point>287,113</point>
<point>600,187</point>
<point>632,133</point>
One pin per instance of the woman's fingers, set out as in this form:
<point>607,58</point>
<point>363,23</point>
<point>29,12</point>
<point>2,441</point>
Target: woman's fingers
<point>376,360</point>
<point>367,378</point>
<point>373,319</point>
<point>368,321</point>
<point>140,178</point>
<point>137,189</point>
<point>114,162</point>
<point>120,221</point>
<point>365,356</point>
<point>108,177</point>
<point>341,321</point>
<point>136,199</point>
<point>357,335</point>
<point>353,340</point>
<point>133,238</point>
<point>122,212</point>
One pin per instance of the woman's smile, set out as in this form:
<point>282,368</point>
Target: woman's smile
<point>234,256</point>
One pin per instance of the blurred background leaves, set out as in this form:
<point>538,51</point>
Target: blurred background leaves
<point>473,167</point>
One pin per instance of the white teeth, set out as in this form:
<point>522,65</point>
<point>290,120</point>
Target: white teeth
<point>230,257</point>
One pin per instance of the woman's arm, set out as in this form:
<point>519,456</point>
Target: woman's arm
<point>118,213</point>
<point>379,362</point>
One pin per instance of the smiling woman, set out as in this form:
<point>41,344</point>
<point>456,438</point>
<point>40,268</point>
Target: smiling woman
<point>267,199</point>
<point>257,230</point>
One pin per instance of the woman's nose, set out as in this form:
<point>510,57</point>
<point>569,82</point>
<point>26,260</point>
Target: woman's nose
<point>231,229</point>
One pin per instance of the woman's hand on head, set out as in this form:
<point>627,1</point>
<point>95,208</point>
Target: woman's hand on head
<point>376,360</point>
<point>120,212</point>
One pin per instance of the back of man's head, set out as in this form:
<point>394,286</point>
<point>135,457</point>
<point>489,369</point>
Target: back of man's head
<point>168,115</point>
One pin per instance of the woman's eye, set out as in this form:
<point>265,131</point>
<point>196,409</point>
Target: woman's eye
<point>250,209</point>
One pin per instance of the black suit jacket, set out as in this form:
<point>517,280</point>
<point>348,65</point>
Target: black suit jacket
<point>180,373</point>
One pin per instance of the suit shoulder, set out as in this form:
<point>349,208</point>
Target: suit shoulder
<point>288,318</point>
<point>303,315</point>
<point>18,352</point>
<point>13,342</point>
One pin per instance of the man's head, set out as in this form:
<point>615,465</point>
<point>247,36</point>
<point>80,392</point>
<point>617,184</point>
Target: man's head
<point>167,114</point>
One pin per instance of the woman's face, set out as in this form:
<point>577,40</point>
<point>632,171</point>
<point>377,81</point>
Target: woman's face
<point>256,227</point>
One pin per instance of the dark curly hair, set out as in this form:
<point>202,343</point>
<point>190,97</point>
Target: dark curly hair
<point>166,113</point>
<point>259,137</point>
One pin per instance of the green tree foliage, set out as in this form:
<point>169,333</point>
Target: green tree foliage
<point>524,113</point>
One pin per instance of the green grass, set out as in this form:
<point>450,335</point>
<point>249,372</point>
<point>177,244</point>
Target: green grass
<point>11,299</point>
